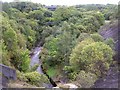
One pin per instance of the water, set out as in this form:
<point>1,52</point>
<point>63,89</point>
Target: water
<point>35,59</point>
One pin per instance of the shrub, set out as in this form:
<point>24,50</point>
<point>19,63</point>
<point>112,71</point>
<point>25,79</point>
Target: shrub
<point>35,78</point>
<point>21,76</point>
<point>92,56</point>
<point>83,36</point>
<point>85,80</point>
<point>110,42</point>
<point>97,38</point>
<point>22,60</point>
<point>76,53</point>
<point>34,68</point>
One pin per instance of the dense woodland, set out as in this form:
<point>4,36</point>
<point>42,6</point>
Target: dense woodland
<point>72,47</point>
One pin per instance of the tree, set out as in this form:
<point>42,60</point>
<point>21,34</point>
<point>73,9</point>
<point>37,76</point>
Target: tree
<point>37,15</point>
<point>10,38</point>
<point>85,79</point>
<point>26,6</point>
<point>99,16</point>
<point>5,58</point>
<point>21,60</point>
<point>63,13</point>
<point>75,56</point>
<point>36,79</point>
<point>5,7</point>
<point>90,23</point>
<point>83,36</point>
<point>94,57</point>
<point>15,14</point>
<point>57,50</point>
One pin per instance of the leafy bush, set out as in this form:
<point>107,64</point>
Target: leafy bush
<point>51,72</point>
<point>75,58</point>
<point>4,54</point>
<point>93,57</point>
<point>97,38</point>
<point>34,68</point>
<point>21,76</point>
<point>70,72</point>
<point>35,78</point>
<point>85,79</point>
<point>83,36</point>
<point>21,60</point>
<point>110,42</point>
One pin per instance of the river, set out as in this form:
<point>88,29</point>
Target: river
<point>35,59</point>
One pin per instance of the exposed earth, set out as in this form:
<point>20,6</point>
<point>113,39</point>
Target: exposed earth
<point>111,80</point>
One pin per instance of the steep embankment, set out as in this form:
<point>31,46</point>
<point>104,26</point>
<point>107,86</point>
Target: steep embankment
<point>111,79</point>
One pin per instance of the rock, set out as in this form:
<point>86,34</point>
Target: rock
<point>68,85</point>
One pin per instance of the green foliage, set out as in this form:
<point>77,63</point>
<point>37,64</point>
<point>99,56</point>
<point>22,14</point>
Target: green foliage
<point>110,42</point>
<point>51,72</point>
<point>73,75</point>
<point>6,6</point>
<point>57,50</point>
<point>93,21</point>
<point>96,52</point>
<point>61,14</point>
<point>35,78</point>
<point>10,38</point>
<point>34,68</point>
<point>83,36</point>
<point>21,76</point>
<point>68,35</point>
<point>94,57</point>
<point>15,14</point>
<point>21,40</point>
<point>68,68</point>
<point>110,12</point>
<point>25,6</point>
<point>36,14</point>
<point>85,79</point>
<point>21,60</point>
<point>97,38</point>
<point>99,16</point>
<point>4,54</point>
<point>76,53</point>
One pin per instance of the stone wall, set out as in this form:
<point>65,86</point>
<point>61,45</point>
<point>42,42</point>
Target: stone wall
<point>6,74</point>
